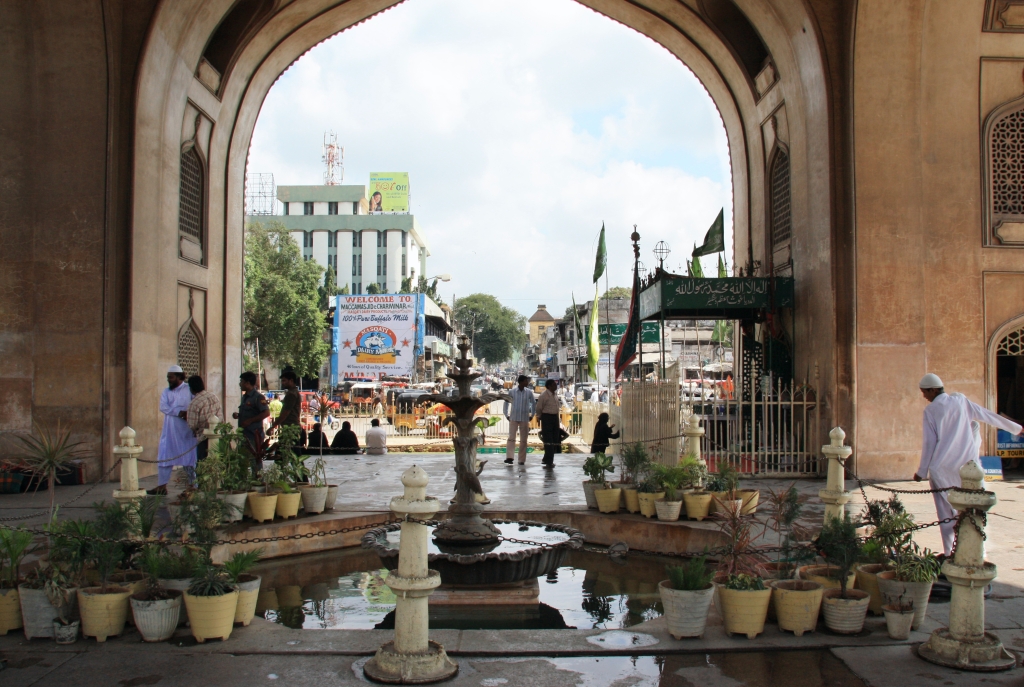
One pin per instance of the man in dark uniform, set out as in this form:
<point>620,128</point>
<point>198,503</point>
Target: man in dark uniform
<point>291,405</point>
<point>252,411</point>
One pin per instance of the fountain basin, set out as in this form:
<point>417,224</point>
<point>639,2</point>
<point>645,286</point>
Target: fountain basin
<point>505,563</point>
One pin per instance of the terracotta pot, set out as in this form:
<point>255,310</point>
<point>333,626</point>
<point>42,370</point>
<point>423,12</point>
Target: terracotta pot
<point>750,498</point>
<point>744,611</point>
<point>796,605</point>
<point>898,622</point>
<point>668,510</point>
<point>10,610</point>
<point>918,592</point>
<point>179,585</point>
<point>156,620</point>
<point>263,506</point>
<point>234,504</point>
<point>332,496</point>
<point>647,508</point>
<point>314,499</point>
<point>867,580</point>
<point>608,499</point>
<point>632,499</point>
<point>686,611</point>
<point>823,575</point>
<point>38,614</point>
<point>66,634</point>
<point>211,617</point>
<point>697,505</point>
<point>248,592</point>
<point>588,493</point>
<point>104,614</point>
<point>845,616</point>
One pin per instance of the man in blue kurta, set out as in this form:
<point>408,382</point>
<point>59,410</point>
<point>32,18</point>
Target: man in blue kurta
<point>177,444</point>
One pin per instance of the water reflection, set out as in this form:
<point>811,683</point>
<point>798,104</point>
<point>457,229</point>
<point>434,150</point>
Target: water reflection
<point>348,589</point>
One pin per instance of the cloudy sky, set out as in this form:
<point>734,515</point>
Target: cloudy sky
<point>523,124</point>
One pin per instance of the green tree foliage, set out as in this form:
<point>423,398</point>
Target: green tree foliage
<point>618,292</point>
<point>373,287</point>
<point>429,289</point>
<point>282,300</point>
<point>500,330</point>
<point>329,288</point>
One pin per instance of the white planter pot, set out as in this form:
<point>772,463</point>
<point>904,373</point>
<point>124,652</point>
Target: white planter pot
<point>918,592</point>
<point>898,623</point>
<point>686,612</point>
<point>845,616</point>
<point>38,613</point>
<point>313,499</point>
<point>668,510</point>
<point>66,634</point>
<point>332,496</point>
<point>234,505</point>
<point>156,620</point>
<point>179,586</point>
<point>588,492</point>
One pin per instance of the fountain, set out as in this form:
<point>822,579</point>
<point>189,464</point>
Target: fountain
<point>468,549</point>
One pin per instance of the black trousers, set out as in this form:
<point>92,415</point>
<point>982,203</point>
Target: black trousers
<point>550,436</point>
<point>202,449</point>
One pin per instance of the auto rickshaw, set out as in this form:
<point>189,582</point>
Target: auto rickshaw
<point>408,412</point>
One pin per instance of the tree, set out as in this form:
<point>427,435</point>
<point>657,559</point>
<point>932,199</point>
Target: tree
<point>618,292</point>
<point>373,288</point>
<point>499,330</point>
<point>282,300</point>
<point>329,288</point>
<point>423,287</point>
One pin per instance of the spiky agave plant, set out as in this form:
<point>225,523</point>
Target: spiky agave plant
<point>212,581</point>
<point>46,456</point>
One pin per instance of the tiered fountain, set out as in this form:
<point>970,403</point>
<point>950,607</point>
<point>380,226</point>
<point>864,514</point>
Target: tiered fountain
<point>468,549</point>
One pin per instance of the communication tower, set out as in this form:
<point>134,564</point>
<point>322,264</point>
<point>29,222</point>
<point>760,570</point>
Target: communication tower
<point>334,159</point>
<point>260,194</point>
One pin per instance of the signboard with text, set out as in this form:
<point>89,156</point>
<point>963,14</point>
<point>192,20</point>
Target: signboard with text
<point>376,335</point>
<point>389,192</point>
<point>611,334</point>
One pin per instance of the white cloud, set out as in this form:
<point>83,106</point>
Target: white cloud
<point>523,124</point>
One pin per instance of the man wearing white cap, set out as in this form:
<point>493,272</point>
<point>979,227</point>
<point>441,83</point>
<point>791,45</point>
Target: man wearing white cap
<point>177,445</point>
<point>949,443</point>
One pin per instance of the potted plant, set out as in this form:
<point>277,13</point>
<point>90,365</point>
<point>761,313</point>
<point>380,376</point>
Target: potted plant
<point>288,500</point>
<point>696,499</point>
<point>649,492</point>
<point>744,604</point>
<point>175,569</point>
<point>592,469</point>
<point>314,494</point>
<point>14,544</point>
<point>47,457</point>
<point>263,505</point>
<point>237,568</point>
<point>104,608</point>
<point>796,604</point>
<point>595,468</point>
<point>292,465</point>
<point>156,610</point>
<point>728,479</point>
<point>912,577</point>
<point>211,601</point>
<point>686,597</point>
<point>226,471</point>
<point>199,517</point>
<point>635,462</point>
<point>62,595</point>
<point>784,508</point>
<point>890,525</point>
<point>671,480</point>
<point>844,608</point>
<point>899,617</point>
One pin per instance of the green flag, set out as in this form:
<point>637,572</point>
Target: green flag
<point>602,256</point>
<point>714,240</point>
<point>722,272</point>
<point>695,269</point>
<point>576,321</point>
<point>593,340</point>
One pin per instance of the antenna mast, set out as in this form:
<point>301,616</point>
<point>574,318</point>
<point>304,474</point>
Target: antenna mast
<point>334,159</point>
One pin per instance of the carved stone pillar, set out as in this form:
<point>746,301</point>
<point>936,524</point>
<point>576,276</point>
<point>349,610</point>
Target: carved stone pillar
<point>834,494</point>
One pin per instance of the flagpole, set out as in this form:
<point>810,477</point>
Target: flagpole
<point>608,327</point>
<point>635,238</point>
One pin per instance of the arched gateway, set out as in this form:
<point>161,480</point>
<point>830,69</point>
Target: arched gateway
<point>141,252</point>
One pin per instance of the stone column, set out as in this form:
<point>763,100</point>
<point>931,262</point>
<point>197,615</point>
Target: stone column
<point>412,658</point>
<point>965,645</point>
<point>693,433</point>
<point>834,494</point>
<point>129,453</point>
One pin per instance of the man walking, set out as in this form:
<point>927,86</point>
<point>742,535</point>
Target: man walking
<point>518,414</point>
<point>949,443</point>
<point>291,405</point>
<point>252,411</point>
<point>548,409</point>
<point>204,406</point>
<point>177,445</point>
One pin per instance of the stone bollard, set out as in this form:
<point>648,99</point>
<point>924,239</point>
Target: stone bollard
<point>834,494</point>
<point>965,645</point>
<point>412,658</point>
<point>693,433</point>
<point>128,452</point>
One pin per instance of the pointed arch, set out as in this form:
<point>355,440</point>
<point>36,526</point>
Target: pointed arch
<point>1003,179</point>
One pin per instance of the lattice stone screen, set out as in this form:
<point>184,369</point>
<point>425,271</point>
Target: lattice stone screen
<point>1012,343</point>
<point>190,196</point>
<point>782,217</point>
<point>190,352</point>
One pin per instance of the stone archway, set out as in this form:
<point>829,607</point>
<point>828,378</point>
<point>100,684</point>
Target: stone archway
<point>182,96</point>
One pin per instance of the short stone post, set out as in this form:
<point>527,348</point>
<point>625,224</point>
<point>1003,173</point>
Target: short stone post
<point>965,645</point>
<point>834,494</point>
<point>693,433</point>
<point>129,453</point>
<point>412,658</point>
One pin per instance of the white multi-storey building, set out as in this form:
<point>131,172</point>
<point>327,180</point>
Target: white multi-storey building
<point>332,226</point>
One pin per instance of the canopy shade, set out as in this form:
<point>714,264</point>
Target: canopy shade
<point>727,298</point>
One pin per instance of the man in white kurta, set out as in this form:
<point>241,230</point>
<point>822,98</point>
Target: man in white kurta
<point>949,443</point>
<point>177,444</point>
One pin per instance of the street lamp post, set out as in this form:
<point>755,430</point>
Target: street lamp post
<point>440,277</point>
<point>661,251</point>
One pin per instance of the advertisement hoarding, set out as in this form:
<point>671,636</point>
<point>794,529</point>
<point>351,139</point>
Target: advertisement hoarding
<point>389,192</point>
<point>375,336</point>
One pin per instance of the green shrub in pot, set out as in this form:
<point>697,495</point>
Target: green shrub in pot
<point>686,597</point>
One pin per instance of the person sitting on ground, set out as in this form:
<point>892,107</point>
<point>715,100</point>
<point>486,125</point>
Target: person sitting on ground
<point>602,434</point>
<point>376,439</point>
<point>345,441</point>
<point>317,439</point>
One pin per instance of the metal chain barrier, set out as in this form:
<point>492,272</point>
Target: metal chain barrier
<point>66,503</point>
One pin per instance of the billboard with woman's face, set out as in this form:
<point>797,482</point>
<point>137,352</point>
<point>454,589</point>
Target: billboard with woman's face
<point>389,192</point>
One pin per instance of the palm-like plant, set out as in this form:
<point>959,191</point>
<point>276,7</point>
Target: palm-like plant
<point>46,456</point>
<point>14,545</point>
<point>241,563</point>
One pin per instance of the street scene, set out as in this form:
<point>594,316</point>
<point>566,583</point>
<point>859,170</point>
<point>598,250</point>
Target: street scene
<point>684,347</point>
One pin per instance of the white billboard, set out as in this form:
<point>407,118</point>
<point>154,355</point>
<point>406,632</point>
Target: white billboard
<point>376,335</point>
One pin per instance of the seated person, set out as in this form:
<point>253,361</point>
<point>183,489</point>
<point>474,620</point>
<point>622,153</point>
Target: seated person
<point>317,438</point>
<point>345,441</point>
<point>376,439</point>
